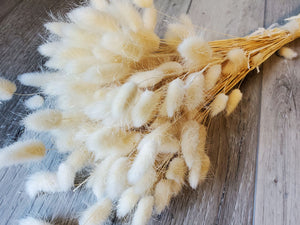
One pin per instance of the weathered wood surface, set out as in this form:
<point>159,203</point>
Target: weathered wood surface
<point>268,117</point>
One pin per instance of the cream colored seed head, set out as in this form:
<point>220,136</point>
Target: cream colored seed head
<point>233,100</point>
<point>163,194</point>
<point>143,3</point>
<point>7,89</point>
<point>287,53</point>
<point>143,211</point>
<point>212,75</point>
<point>127,202</point>
<point>236,61</point>
<point>177,170</point>
<point>218,105</point>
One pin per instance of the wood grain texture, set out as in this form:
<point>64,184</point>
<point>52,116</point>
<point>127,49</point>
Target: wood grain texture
<point>7,6</point>
<point>227,197</point>
<point>278,185</point>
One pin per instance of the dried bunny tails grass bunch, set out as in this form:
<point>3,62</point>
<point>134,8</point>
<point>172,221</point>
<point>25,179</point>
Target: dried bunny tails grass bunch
<point>132,105</point>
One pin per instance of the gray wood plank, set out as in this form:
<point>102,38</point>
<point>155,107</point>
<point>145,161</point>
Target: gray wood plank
<point>278,186</point>
<point>7,6</point>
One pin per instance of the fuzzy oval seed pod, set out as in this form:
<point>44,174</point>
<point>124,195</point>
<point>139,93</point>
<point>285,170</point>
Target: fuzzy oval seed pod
<point>194,90</point>
<point>219,104</point>
<point>195,51</point>
<point>162,195</point>
<point>94,20</point>
<point>147,78</point>
<point>32,221</point>
<point>146,182</point>
<point>143,3</point>
<point>36,79</point>
<point>55,27</point>
<point>287,53</point>
<point>22,152</point>
<point>7,89</point>
<point>43,120</point>
<point>171,68</point>
<point>124,97</point>
<point>49,49</point>
<point>177,170</point>
<point>117,178</point>
<point>233,100</point>
<point>97,213</point>
<point>174,97</point>
<point>42,182</point>
<point>34,102</point>
<point>212,76</point>
<point>150,18</point>
<point>144,109</point>
<point>143,211</point>
<point>99,4</point>
<point>236,61</point>
<point>127,202</point>
<point>199,169</point>
<point>190,141</point>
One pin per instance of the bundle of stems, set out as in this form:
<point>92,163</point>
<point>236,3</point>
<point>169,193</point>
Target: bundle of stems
<point>131,105</point>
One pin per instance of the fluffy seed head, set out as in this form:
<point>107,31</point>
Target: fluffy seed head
<point>143,3</point>
<point>194,90</point>
<point>43,120</point>
<point>212,76</point>
<point>34,102</point>
<point>287,53</point>
<point>35,79</point>
<point>219,104</point>
<point>236,61</point>
<point>22,152</point>
<point>32,221</point>
<point>7,89</point>
<point>149,18</point>
<point>162,195</point>
<point>97,213</point>
<point>177,170</point>
<point>143,211</point>
<point>233,100</point>
<point>195,51</point>
<point>127,202</point>
<point>174,97</point>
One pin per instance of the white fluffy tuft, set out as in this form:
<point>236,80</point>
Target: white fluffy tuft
<point>35,79</point>
<point>177,170</point>
<point>212,76</point>
<point>34,102</point>
<point>43,120</point>
<point>7,89</point>
<point>143,211</point>
<point>32,221</point>
<point>127,202</point>
<point>236,60</point>
<point>22,152</point>
<point>42,182</point>
<point>150,18</point>
<point>194,90</point>
<point>143,3</point>
<point>97,213</point>
<point>163,194</point>
<point>175,96</point>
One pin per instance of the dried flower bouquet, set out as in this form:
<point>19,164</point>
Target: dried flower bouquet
<point>132,105</point>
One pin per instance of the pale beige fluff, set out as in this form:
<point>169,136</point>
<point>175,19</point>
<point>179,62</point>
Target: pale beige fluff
<point>212,75</point>
<point>196,52</point>
<point>236,61</point>
<point>67,170</point>
<point>194,90</point>
<point>32,221</point>
<point>22,152</point>
<point>34,102</point>
<point>127,202</point>
<point>287,53</point>
<point>55,27</point>
<point>129,16</point>
<point>144,3</point>
<point>117,178</point>
<point>99,4</point>
<point>233,100</point>
<point>177,170</point>
<point>150,18</point>
<point>144,184</point>
<point>169,144</point>
<point>174,97</point>
<point>199,170</point>
<point>7,89</point>
<point>147,78</point>
<point>142,162</point>
<point>190,141</point>
<point>35,79</point>
<point>97,180</point>
<point>171,68</point>
<point>49,49</point>
<point>124,97</point>
<point>292,27</point>
<point>42,182</point>
<point>162,195</point>
<point>219,104</point>
<point>94,20</point>
<point>97,213</point>
<point>43,120</point>
<point>144,109</point>
<point>143,211</point>
<point>176,32</point>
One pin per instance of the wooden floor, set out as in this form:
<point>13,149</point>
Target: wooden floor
<point>255,152</point>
